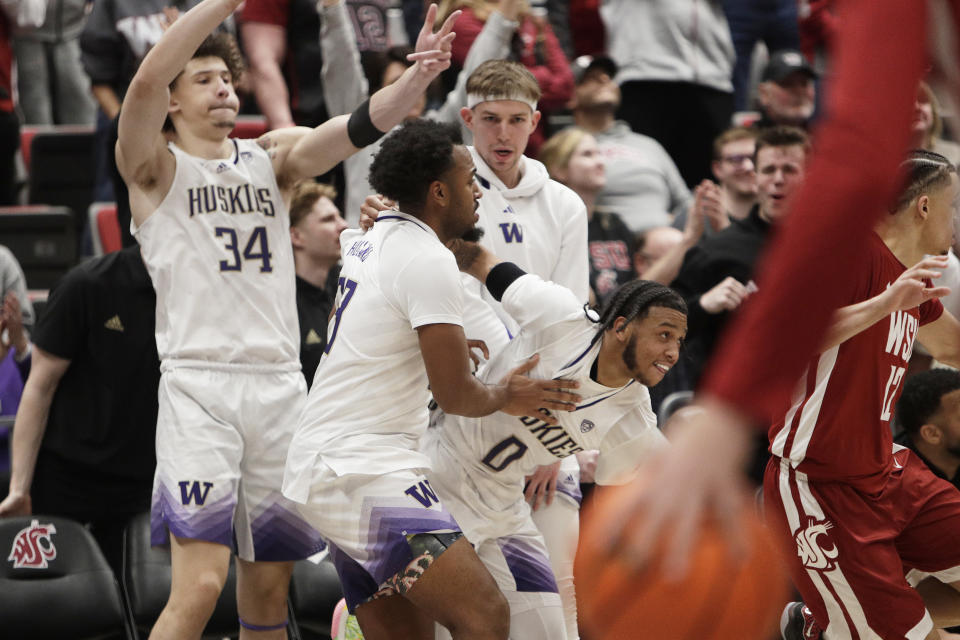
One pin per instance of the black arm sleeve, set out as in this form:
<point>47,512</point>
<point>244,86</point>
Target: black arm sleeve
<point>501,277</point>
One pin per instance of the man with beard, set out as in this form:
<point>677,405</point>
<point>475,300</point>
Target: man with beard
<point>353,464</point>
<point>479,463</point>
<point>786,94</point>
<point>643,185</point>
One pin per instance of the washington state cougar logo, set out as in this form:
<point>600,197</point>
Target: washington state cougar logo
<point>815,547</point>
<point>32,546</point>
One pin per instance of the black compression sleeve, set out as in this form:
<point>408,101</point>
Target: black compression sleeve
<point>360,127</point>
<point>501,277</point>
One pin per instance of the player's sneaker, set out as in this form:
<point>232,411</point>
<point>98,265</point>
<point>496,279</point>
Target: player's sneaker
<point>797,623</point>
<point>344,626</point>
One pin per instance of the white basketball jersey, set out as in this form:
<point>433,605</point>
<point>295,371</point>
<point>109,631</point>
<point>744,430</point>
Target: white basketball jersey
<point>368,406</point>
<point>498,450</point>
<point>218,251</point>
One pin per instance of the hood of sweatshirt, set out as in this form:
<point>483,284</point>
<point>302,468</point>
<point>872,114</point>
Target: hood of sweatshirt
<point>533,176</point>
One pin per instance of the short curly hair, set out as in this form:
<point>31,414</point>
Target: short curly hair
<point>921,397</point>
<point>412,157</point>
<point>216,45</point>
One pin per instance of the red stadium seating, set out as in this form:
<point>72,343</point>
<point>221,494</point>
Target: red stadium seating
<point>104,227</point>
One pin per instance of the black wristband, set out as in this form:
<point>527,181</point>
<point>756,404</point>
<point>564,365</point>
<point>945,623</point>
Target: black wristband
<point>360,128</point>
<point>502,276</point>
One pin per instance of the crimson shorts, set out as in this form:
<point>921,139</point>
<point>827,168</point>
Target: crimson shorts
<point>852,550</point>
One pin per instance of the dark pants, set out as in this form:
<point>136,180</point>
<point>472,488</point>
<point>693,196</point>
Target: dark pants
<point>683,117</point>
<point>103,503</point>
<point>772,21</point>
<point>9,143</point>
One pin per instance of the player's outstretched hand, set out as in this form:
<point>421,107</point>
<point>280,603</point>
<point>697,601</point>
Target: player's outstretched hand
<point>535,397</point>
<point>700,476</point>
<point>371,208</point>
<point>542,485</point>
<point>432,52</point>
<point>16,504</point>
<point>911,289</point>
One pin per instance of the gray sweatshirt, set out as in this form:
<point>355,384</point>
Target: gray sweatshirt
<point>643,184</point>
<point>670,40</point>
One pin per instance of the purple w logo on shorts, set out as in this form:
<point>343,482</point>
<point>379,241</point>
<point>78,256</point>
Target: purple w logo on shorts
<point>192,491</point>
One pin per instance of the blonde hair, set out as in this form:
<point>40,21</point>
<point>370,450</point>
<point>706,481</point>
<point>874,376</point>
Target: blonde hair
<point>503,78</point>
<point>556,152</point>
<point>936,127</point>
<point>733,134</point>
<point>305,195</point>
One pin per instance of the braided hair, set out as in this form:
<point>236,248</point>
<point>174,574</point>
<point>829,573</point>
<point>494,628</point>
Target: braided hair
<point>922,172</point>
<point>633,301</point>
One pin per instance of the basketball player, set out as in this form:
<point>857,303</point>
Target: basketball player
<point>803,279</point>
<point>479,463</point>
<point>354,462</point>
<point>540,225</point>
<point>859,508</point>
<point>211,217</point>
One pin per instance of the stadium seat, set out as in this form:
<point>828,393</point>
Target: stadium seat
<point>62,168</point>
<point>104,228</point>
<point>146,585</point>
<point>314,593</point>
<point>249,127</point>
<point>43,239</point>
<point>55,583</point>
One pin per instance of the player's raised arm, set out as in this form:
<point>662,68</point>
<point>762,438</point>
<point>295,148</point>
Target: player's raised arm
<point>322,148</point>
<point>147,100</point>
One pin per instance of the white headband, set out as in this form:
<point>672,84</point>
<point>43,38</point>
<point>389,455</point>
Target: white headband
<point>473,99</point>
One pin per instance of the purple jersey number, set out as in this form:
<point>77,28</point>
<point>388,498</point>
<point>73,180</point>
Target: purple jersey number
<point>347,289</point>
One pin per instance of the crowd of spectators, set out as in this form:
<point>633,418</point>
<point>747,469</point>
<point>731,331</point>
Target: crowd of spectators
<point>682,125</point>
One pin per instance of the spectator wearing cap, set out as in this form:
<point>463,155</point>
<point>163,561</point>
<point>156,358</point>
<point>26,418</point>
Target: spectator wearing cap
<point>676,64</point>
<point>786,94</point>
<point>643,184</point>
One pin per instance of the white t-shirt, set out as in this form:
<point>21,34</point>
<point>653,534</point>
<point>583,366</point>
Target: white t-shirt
<point>498,450</point>
<point>218,251</point>
<point>368,406</point>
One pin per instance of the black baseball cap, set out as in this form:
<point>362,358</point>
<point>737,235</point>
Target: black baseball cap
<point>584,64</point>
<point>784,62</point>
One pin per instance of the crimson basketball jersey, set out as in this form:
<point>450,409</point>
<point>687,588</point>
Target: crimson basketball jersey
<point>838,424</point>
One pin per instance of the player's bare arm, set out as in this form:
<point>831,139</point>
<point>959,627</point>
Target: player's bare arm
<point>908,291</point>
<point>142,157</point>
<point>458,392</point>
<point>45,374</point>
<point>308,153</point>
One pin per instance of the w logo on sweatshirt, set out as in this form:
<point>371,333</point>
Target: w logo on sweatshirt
<point>512,232</point>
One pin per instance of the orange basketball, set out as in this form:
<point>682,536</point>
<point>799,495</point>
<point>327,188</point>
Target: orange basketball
<point>722,597</point>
